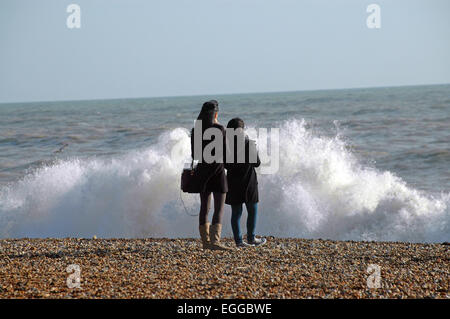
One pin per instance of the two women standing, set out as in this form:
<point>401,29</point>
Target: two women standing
<point>240,182</point>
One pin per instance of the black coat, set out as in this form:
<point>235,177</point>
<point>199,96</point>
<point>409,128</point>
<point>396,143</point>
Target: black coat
<point>241,177</point>
<point>211,175</point>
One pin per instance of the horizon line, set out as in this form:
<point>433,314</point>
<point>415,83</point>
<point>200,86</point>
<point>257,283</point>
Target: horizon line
<point>223,94</point>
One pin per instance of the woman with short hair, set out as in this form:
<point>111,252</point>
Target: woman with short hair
<point>242,182</point>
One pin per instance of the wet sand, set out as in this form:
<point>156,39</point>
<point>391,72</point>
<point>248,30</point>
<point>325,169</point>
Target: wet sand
<point>179,268</point>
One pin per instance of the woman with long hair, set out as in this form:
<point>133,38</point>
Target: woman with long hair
<point>211,175</point>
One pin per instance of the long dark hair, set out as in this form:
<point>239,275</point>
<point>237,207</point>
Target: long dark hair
<point>209,110</point>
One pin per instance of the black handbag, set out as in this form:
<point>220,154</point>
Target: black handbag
<point>190,182</point>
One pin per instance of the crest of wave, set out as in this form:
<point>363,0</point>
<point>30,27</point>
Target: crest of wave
<point>126,196</point>
<point>322,191</point>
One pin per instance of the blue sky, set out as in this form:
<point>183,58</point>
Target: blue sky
<point>144,48</point>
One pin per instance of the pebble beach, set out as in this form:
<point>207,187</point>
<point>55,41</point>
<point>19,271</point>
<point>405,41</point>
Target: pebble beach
<point>180,268</point>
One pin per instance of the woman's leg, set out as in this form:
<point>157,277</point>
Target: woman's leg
<point>203,227</point>
<point>205,200</point>
<point>219,201</point>
<point>216,226</point>
<point>252,210</point>
<point>236,213</point>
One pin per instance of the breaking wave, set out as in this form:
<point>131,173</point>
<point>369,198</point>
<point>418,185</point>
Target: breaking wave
<point>321,190</point>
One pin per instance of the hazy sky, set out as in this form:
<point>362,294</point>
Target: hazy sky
<point>143,48</point>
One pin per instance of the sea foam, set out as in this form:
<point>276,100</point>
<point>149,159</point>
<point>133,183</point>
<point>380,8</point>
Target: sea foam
<point>322,190</point>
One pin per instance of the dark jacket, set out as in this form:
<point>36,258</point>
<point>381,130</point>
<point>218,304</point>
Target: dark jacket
<point>211,175</point>
<point>241,177</point>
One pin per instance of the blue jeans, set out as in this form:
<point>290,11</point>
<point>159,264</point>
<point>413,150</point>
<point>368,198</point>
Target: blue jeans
<point>236,213</point>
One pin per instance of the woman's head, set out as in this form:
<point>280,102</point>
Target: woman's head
<point>209,112</point>
<point>236,123</point>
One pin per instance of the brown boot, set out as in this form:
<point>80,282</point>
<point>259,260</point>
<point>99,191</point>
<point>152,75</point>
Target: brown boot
<point>214,235</point>
<point>204,235</point>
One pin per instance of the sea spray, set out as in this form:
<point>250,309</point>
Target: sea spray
<point>321,190</point>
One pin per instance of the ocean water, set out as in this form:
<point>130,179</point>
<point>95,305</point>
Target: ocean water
<point>357,164</point>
